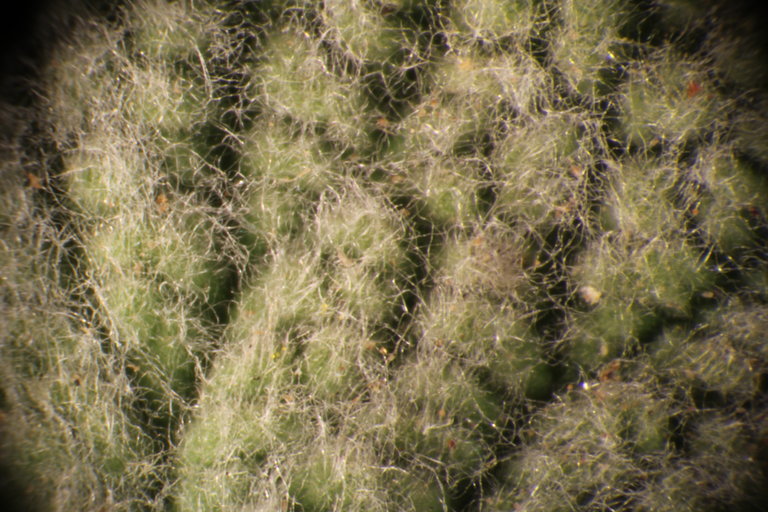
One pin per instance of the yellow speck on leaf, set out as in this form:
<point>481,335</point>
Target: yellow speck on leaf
<point>466,64</point>
<point>590,294</point>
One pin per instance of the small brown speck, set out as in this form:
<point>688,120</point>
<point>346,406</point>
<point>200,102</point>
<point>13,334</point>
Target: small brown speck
<point>161,201</point>
<point>33,181</point>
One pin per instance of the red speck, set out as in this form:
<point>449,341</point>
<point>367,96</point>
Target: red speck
<point>693,89</point>
<point>451,444</point>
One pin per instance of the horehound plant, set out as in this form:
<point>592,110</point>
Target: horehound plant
<point>418,255</point>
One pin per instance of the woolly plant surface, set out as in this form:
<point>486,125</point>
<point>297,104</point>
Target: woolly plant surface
<point>311,256</point>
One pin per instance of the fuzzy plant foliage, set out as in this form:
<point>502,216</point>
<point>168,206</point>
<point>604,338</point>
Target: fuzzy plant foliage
<point>413,255</point>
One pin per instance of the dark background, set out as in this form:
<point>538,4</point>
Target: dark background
<point>29,30</point>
